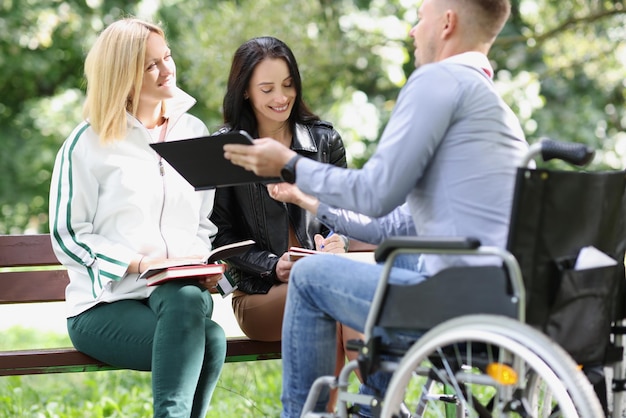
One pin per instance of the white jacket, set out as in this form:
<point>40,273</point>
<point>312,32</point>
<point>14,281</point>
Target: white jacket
<point>109,203</point>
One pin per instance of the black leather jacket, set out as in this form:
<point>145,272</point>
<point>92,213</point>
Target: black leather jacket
<point>248,212</point>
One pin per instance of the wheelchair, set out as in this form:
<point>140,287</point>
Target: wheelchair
<point>531,336</point>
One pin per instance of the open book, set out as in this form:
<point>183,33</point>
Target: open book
<point>296,253</point>
<point>184,272</point>
<point>175,268</point>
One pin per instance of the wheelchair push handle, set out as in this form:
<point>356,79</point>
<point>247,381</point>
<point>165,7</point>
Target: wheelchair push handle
<point>573,153</point>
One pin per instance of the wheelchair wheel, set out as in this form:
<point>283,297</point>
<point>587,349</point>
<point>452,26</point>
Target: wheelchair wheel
<point>488,366</point>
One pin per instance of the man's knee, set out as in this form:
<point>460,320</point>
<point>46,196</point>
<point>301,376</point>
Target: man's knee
<point>308,268</point>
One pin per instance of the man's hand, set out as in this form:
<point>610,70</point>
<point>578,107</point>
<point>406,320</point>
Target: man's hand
<point>265,158</point>
<point>332,244</point>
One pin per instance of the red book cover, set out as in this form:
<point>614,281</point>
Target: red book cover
<point>184,272</point>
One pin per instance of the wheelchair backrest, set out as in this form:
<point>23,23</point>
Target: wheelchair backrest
<point>555,214</point>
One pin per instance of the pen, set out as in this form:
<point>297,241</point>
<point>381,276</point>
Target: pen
<point>327,236</point>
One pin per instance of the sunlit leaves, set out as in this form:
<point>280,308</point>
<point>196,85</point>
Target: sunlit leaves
<point>559,64</point>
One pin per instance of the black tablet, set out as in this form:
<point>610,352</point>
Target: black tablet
<point>201,161</point>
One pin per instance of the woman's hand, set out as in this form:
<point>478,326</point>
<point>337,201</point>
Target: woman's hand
<point>210,281</point>
<point>283,268</point>
<point>284,192</point>
<point>289,193</point>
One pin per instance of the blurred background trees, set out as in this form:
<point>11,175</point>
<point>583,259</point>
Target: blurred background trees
<point>559,64</point>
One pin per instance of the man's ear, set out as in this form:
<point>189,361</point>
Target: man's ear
<point>450,25</point>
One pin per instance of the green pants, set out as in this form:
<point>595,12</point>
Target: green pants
<point>170,333</point>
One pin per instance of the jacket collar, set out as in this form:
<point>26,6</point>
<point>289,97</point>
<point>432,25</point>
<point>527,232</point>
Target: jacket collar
<point>475,60</point>
<point>303,139</point>
<point>174,108</point>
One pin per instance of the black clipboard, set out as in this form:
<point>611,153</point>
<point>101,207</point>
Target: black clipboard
<point>201,161</point>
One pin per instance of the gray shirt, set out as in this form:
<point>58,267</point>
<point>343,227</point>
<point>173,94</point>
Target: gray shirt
<point>450,151</point>
<point>398,222</point>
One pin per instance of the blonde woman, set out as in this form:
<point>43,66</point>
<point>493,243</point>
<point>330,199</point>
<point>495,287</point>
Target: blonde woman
<point>116,208</point>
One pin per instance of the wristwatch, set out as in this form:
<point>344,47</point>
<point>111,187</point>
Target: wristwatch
<point>288,172</point>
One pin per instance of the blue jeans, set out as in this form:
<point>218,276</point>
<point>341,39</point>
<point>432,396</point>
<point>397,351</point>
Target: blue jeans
<point>170,333</point>
<point>322,290</point>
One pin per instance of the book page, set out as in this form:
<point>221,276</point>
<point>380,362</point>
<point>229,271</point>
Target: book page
<point>228,250</point>
<point>172,262</point>
<point>296,253</point>
<point>362,256</point>
<point>219,253</point>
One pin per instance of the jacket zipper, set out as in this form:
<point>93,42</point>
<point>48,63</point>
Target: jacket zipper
<point>164,188</point>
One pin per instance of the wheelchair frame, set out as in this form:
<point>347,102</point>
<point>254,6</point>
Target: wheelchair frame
<point>532,353</point>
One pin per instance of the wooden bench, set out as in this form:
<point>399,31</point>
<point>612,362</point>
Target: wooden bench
<point>26,282</point>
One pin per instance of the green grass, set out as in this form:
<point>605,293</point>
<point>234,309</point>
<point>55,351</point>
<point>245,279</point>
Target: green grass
<point>249,389</point>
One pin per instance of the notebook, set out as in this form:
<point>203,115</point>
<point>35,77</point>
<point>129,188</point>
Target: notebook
<point>201,161</point>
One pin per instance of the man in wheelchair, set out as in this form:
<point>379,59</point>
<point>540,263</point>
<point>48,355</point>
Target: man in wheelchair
<point>449,153</point>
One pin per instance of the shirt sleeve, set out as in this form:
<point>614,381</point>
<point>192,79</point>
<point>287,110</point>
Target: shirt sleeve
<point>418,123</point>
<point>365,228</point>
<point>73,204</point>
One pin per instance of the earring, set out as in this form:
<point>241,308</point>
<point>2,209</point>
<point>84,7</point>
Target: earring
<point>245,96</point>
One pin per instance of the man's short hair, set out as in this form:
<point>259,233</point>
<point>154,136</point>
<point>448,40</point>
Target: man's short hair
<point>488,15</point>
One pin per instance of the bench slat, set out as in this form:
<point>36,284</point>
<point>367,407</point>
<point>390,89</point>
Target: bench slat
<point>26,250</point>
<point>53,360</point>
<point>68,360</point>
<point>33,286</point>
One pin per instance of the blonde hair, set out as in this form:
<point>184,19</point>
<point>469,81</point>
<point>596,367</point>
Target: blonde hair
<point>114,69</point>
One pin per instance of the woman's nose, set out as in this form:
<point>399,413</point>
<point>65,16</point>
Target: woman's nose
<point>281,97</point>
<point>166,68</point>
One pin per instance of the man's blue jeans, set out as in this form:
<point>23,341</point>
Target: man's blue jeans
<point>322,290</point>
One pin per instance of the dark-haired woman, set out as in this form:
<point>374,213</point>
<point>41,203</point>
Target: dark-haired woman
<point>264,98</point>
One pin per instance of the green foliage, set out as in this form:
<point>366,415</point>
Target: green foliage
<point>566,60</point>
<point>340,51</point>
<point>19,338</point>
<point>42,46</point>
<point>559,64</point>
<point>77,395</point>
<point>249,389</point>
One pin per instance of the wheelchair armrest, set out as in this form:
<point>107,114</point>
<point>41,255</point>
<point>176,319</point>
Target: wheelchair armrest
<point>432,243</point>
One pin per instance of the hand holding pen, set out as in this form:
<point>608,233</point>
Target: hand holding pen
<point>333,243</point>
<point>330,234</point>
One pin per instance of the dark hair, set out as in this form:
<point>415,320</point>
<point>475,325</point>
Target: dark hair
<point>238,113</point>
